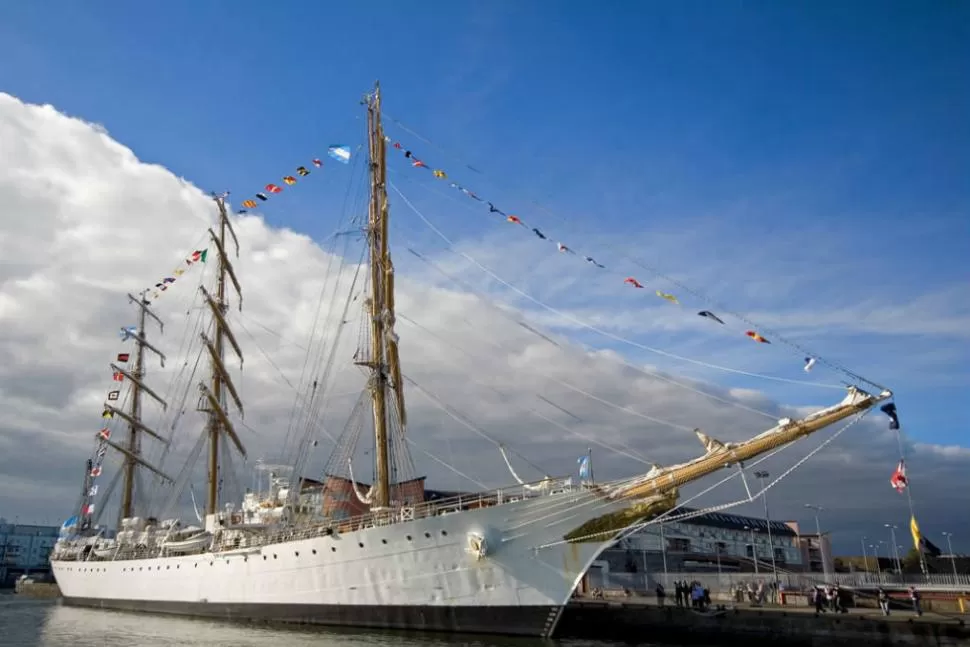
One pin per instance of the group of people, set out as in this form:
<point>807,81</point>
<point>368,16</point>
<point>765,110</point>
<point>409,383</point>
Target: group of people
<point>692,594</point>
<point>914,598</point>
<point>828,598</point>
<point>757,594</point>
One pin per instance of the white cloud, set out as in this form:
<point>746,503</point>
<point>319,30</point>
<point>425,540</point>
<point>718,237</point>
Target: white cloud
<point>84,223</point>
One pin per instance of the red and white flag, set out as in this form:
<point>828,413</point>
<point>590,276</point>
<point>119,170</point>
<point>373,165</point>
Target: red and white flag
<point>899,480</point>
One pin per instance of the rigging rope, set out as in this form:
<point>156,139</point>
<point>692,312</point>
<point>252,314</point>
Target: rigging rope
<point>459,419</point>
<point>591,327</point>
<point>700,295</point>
<point>627,451</point>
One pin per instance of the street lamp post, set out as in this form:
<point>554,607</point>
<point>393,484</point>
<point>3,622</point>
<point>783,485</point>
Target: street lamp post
<point>663,551</point>
<point>875,552</point>
<point>821,545</point>
<point>865,555</point>
<point>953,558</point>
<point>892,534</point>
<point>762,476</point>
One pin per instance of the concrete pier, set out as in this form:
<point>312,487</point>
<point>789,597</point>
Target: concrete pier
<point>641,619</point>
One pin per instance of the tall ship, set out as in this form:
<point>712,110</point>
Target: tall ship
<point>501,561</point>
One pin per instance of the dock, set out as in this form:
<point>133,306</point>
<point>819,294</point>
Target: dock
<point>641,619</point>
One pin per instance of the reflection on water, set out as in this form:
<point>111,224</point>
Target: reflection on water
<point>44,623</point>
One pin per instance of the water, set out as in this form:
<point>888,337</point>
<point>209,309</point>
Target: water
<point>27,622</point>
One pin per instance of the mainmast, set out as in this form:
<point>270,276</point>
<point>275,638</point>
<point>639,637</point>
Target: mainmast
<point>220,384</point>
<point>133,416</point>
<point>384,360</point>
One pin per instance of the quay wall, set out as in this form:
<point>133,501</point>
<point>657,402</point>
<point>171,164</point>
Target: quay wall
<point>626,621</point>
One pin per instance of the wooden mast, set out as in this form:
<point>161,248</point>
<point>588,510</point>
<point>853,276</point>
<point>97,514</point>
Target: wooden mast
<point>132,449</point>
<point>381,316</point>
<point>220,383</point>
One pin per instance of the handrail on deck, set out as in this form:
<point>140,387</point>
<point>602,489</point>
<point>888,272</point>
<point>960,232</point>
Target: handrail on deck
<point>390,516</point>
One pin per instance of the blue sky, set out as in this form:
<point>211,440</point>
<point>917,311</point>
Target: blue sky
<point>805,160</point>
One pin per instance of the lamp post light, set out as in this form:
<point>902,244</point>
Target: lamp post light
<point>754,549</point>
<point>953,558</point>
<point>663,551</point>
<point>761,475</point>
<point>821,545</point>
<point>892,534</point>
<point>875,552</point>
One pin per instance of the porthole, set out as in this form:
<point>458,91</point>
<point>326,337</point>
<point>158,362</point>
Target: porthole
<point>274,555</point>
<point>333,549</point>
<point>383,541</point>
<point>361,544</point>
<point>314,551</point>
<point>212,563</point>
<point>297,553</point>
<point>197,565</point>
<point>409,537</point>
<point>428,535</point>
<point>444,533</point>
<point>167,567</point>
<point>264,558</point>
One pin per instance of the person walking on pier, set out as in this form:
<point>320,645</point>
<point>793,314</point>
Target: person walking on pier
<point>679,593</point>
<point>915,597</point>
<point>883,601</point>
<point>818,595</point>
<point>661,594</point>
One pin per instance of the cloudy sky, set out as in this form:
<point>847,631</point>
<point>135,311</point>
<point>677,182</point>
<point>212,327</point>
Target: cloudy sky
<point>788,198</point>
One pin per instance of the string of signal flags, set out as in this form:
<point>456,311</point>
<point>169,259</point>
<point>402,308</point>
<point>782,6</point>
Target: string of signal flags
<point>337,152</point>
<point>561,247</point>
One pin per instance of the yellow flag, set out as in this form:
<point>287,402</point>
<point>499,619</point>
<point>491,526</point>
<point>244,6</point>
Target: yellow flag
<point>914,529</point>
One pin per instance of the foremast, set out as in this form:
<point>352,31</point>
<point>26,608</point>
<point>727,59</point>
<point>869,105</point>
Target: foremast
<point>383,362</point>
<point>214,395</point>
<point>131,450</point>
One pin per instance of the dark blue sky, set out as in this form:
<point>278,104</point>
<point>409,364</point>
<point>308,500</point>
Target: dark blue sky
<point>789,129</point>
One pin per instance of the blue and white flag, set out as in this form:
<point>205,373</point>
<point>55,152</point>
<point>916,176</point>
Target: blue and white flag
<point>339,153</point>
<point>583,466</point>
<point>128,332</point>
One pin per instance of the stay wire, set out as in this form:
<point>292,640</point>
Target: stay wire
<point>586,325</point>
<point>652,374</point>
<point>703,297</point>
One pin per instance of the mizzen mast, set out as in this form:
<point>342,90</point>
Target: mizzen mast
<point>383,361</point>
<point>214,395</point>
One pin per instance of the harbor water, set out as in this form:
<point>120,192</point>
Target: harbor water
<point>26,622</point>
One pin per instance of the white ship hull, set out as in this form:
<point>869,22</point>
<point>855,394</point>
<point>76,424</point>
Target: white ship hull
<point>418,574</point>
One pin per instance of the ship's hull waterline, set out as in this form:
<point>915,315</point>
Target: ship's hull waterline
<point>420,575</point>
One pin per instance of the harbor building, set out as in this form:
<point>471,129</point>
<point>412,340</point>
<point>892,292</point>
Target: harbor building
<point>24,550</point>
<point>716,542</point>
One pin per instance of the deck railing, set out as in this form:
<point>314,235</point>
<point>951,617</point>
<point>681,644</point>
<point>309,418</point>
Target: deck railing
<point>391,516</point>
